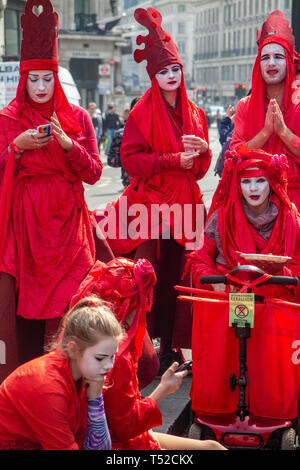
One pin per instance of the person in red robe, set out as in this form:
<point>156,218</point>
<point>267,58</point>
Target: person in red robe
<point>128,285</point>
<point>268,118</point>
<point>55,401</point>
<point>46,234</point>
<point>165,151</point>
<point>251,213</point>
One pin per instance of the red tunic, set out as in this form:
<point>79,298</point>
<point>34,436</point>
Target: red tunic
<point>40,405</point>
<point>129,416</point>
<point>49,246</point>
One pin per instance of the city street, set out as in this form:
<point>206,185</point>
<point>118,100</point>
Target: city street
<point>110,186</point>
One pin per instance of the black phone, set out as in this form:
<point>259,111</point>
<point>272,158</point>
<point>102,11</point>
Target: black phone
<point>187,365</point>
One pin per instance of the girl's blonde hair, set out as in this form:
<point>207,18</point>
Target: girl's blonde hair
<point>86,323</point>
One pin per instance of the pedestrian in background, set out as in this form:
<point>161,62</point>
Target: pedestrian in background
<point>114,154</point>
<point>111,124</point>
<point>97,121</point>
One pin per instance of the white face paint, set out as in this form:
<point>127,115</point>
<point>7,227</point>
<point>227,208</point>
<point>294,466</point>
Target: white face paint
<point>169,78</point>
<point>273,64</point>
<point>96,361</point>
<point>40,85</point>
<point>256,191</point>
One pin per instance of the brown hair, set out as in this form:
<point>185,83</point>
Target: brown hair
<point>89,320</point>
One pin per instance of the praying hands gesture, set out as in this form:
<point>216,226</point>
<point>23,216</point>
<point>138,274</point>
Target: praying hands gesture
<point>274,122</point>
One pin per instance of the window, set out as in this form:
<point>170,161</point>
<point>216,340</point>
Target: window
<point>181,28</point>
<point>12,32</point>
<point>181,8</point>
<point>250,7</point>
<point>82,6</point>
<point>181,47</point>
<point>287,4</point>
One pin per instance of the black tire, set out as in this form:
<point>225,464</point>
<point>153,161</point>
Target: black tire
<point>195,431</point>
<point>288,439</point>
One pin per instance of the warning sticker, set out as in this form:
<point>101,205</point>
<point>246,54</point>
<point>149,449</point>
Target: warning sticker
<point>241,309</point>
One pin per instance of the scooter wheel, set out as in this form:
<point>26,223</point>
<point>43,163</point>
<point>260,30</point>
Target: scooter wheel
<point>288,439</point>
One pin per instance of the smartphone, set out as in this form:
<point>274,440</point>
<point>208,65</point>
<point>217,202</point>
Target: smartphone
<point>44,129</point>
<point>187,365</point>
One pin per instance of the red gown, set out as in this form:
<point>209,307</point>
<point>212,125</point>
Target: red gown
<point>129,417</point>
<point>156,178</point>
<point>49,246</point>
<point>41,407</point>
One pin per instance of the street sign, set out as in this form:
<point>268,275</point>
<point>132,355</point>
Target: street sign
<point>104,70</point>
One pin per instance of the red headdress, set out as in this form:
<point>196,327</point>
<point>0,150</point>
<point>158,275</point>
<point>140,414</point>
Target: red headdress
<point>235,232</point>
<point>150,112</point>
<point>127,285</point>
<point>160,50</point>
<point>275,29</point>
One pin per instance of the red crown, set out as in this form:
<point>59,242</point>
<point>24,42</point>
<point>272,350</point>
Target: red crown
<point>40,31</point>
<point>160,50</point>
<point>276,25</point>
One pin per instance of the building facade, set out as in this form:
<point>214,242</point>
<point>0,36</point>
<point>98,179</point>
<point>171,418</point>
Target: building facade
<point>88,45</point>
<point>225,44</point>
<point>216,40</point>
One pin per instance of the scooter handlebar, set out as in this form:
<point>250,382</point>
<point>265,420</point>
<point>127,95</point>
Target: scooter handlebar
<point>282,280</point>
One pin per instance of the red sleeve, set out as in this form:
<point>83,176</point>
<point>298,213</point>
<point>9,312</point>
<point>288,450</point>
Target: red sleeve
<point>3,145</point>
<point>137,156</point>
<point>49,424</point>
<point>84,157</point>
<point>240,136</point>
<point>128,415</point>
<point>204,160</point>
<point>202,262</point>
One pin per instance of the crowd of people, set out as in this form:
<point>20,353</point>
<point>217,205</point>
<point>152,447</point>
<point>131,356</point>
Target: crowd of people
<point>79,314</point>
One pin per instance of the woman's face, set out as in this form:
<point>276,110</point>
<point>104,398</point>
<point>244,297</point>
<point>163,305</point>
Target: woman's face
<point>40,85</point>
<point>273,64</point>
<point>95,362</point>
<point>169,78</point>
<point>256,191</point>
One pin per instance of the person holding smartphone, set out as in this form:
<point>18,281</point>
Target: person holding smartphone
<point>46,233</point>
<point>127,286</point>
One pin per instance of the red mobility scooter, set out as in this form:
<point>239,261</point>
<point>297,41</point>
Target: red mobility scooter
<point>246,374</point>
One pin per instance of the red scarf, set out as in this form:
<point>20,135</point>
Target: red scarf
<point>151,117</point>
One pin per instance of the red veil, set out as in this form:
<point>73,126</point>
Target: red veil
<point>235,231</point>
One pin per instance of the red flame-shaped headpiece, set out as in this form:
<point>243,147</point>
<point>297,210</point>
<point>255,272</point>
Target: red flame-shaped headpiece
<point>39,24</point>
<point>160,50</point>
<point>276,26</point>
